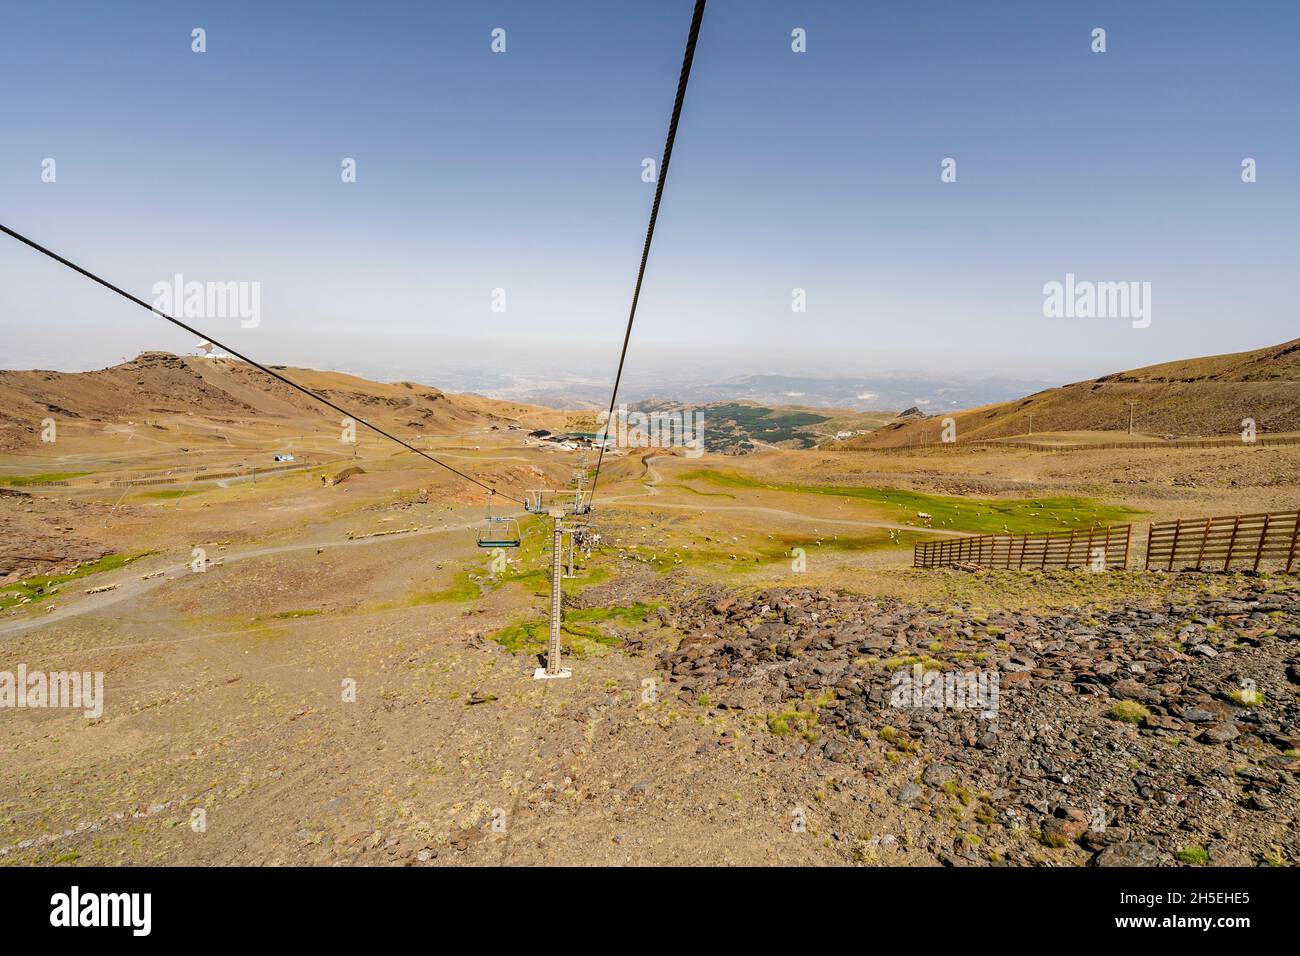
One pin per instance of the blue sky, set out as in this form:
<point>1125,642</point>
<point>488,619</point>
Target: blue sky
<point>522,171</point>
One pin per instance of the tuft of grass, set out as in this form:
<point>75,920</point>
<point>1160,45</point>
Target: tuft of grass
<point>954,789</point>
<point>1056,841</point>
<point>802,719</point>
<point>890,735</point>
<point>1194,856</point>
<point>791,719</point>
<point>927,663</point>
<point>1129,712</point>
<point>1247,698</point>
<point>824,699</point>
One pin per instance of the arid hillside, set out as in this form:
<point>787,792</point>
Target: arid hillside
<point>1191,397</point>
<point>159,383</point>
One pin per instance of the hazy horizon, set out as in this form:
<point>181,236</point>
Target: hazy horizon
<point>521,171</point>
<point>532,375</point>
<point>579,377</point>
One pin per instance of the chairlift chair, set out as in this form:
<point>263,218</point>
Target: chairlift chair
<point>498,531</point>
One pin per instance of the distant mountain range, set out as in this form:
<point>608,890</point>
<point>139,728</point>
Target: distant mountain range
<point>1208,396</point>
<point>857,394</point>
<point>1191,397</point>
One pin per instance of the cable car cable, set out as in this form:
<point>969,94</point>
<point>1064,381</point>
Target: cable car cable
<point>682,81</point>
<point>226,348</point>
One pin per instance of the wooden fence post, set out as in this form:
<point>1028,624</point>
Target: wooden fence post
<point>1236,523</point>
<point>1205,537</point>
<point>1259,552</point>
<point>1295,537</point>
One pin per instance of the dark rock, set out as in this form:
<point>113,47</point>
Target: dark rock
<point>1159,722</point>
<point>1129,854</point>
<point>908,794</point>
<point>1059,831</point>
<point>937,774</point>
<point>1220,734</point>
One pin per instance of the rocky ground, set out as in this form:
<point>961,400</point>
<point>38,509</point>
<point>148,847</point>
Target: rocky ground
<point>43,536</point>
<point>1144,734</point>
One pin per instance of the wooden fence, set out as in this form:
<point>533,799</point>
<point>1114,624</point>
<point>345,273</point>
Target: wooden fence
<point>1215,543</point>
<point>985,444</point>
<point>141,482</point>
<point>1176,443</point>
<point>1041,550</point>
<point>1220,543</point>
<point>267,470</point>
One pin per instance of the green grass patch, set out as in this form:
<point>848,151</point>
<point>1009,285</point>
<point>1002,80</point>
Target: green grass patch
<point>531,553</point>
<point>958,513</point>
<point>462,588</point>
<point>873,540</point>
<point>696,491</point>
<point>666,558</point>
<point>595,574</point>
<point>579,633</point>
<point>748,554</point>
<point>171,494</point>
<point>19,481</point>
<point>39,587</point>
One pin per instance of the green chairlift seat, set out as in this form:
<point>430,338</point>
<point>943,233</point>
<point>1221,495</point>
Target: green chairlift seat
<point>499,533</point>
<point>496,531</point>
